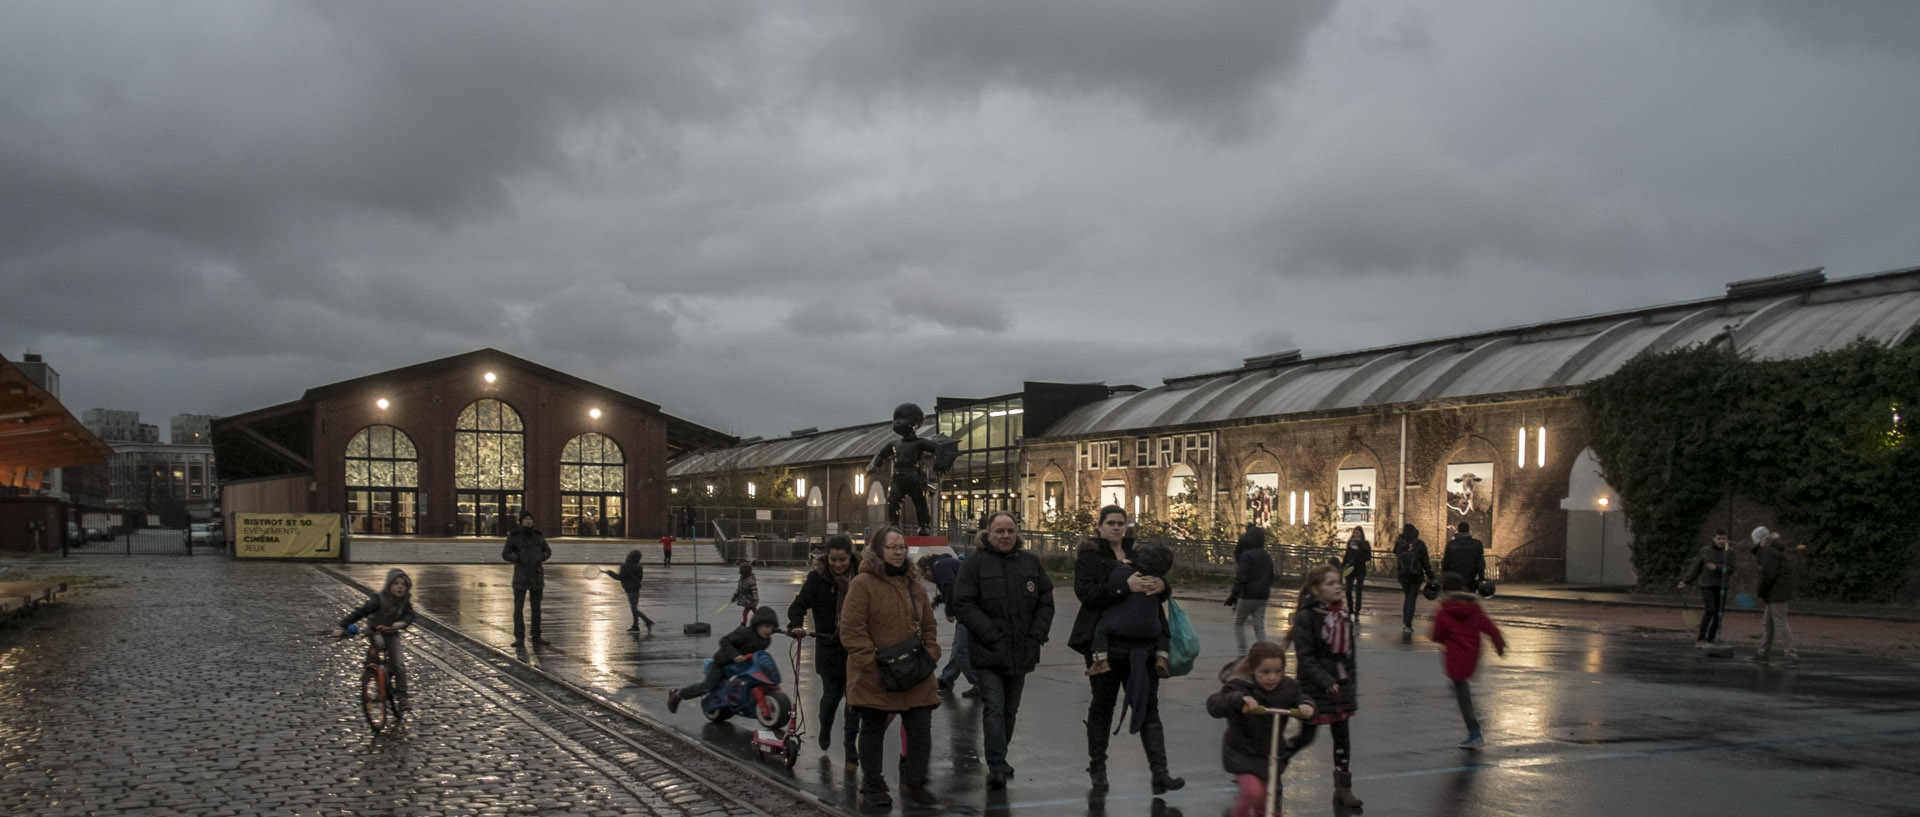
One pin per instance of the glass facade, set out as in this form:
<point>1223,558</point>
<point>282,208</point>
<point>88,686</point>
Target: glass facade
<point>593,487</point>
<point>986,475</point>
<point>382,481</point>
<point>489,468</point>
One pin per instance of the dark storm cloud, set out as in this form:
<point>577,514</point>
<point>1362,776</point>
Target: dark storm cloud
<point>1889,25</point>
<point>1212,62</point>
<point>768,217</point>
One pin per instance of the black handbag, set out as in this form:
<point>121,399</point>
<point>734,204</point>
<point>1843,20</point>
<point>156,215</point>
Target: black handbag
<point>906,663</point>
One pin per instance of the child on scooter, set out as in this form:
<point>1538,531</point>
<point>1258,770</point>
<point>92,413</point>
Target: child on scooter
<point>1258,680</point>
<point>736,647</point>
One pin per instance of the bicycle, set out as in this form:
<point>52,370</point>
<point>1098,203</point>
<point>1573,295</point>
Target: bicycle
<point>377,700</point>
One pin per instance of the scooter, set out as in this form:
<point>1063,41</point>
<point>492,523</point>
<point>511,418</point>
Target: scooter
<point>750,690</point>
<point>785,743</point>
<point>1280,717</point>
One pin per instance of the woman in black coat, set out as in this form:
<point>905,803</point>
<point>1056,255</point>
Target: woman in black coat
<point>1094,585</point>
<point>1354,567</point>
<point>821,594</point>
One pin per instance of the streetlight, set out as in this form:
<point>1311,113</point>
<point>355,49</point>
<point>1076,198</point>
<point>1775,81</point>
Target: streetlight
<point>1604,502</point>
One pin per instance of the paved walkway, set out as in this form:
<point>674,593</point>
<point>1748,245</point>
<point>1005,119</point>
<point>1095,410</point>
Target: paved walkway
<point>175,685</point>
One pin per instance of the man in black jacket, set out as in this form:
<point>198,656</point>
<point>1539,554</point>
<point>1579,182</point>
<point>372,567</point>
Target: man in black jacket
<point>527,549</point>
<point>1777,586</point>
<point>1465,557</point>
<point>1252,585</point>
<point>1710,568</point>
<point>1005,599</point>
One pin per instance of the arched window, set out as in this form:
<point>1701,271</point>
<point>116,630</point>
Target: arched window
<point>489,465</point>
<point>382,480</point>
<point>593,487</point>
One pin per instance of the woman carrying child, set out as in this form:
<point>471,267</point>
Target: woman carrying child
<point>1323,646</point>
<point>1256,681</point>
<point>1099,587</point>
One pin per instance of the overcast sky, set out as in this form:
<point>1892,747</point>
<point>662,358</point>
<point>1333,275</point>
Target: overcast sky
<point>768,216</point>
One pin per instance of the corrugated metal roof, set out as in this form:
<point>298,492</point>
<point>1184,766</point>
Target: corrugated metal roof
<point>852,443</point>
<point>1771,324</point>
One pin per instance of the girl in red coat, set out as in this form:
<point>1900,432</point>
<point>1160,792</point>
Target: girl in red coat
<point>1457,626</point>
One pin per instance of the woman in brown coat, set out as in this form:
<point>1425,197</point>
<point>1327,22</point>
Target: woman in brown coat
<point>885,605</point>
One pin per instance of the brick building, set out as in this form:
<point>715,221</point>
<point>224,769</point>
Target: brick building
<point>458,447</point>
<point>1486,428</point>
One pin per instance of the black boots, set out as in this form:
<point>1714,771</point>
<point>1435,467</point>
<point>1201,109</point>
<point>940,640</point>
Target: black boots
<point>1343,790</point>
<point>1097,757</point>
<point>1155,739</point>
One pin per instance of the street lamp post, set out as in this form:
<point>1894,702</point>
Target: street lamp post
<point>1604,502</point>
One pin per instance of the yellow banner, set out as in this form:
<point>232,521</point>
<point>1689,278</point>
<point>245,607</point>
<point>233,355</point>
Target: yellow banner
<point>286,536</point>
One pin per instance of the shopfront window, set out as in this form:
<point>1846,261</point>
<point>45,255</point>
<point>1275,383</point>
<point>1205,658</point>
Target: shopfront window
<point>382,481</point>
<point>489,468</point>
<point>593,486</point>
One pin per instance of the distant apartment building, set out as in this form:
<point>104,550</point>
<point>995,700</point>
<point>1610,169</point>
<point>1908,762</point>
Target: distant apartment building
<point>192,429</point>
<point>172,480</point>
<point>117,426</point>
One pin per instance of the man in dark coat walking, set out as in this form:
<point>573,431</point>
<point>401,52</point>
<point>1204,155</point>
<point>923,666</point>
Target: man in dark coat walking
<point>527,549</point>
<point>1465,557</point>
<point>1252,585</point>
<point>1777,587</point>
<point>1005,600</point>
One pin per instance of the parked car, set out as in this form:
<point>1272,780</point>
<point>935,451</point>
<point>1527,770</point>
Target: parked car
<point>99,534</point>
<point>200,533</point>
<point>74,536</point>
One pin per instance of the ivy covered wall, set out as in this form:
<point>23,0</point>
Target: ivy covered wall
<point>1824,440</point>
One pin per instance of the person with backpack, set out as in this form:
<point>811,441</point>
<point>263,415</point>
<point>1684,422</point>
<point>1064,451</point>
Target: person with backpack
<point>1252,585</point>
<point>1415,570</point>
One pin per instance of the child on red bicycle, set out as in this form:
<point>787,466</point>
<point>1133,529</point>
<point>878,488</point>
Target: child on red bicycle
<point>391,607</point>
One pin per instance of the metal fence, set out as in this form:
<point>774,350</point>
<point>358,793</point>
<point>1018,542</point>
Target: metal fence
<point>141,542</point>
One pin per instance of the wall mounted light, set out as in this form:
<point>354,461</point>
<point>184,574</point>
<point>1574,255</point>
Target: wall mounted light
<point>382,403</point>
<point>800,486</point>
<point>1540,437</point>
<point>488,377</point>
<point>594,413</point>
<point>1523,447</point>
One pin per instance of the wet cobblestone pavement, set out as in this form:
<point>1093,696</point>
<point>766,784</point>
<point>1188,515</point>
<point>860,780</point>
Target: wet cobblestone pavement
<point>199,686</point>
<point>173,685</point>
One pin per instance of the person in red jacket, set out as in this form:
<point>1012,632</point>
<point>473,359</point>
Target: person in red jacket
<point>1457,627</point>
